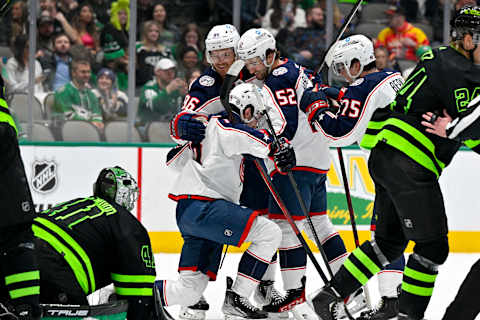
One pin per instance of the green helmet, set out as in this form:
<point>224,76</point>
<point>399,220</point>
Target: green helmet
<point>421,50</point>
<point>117,185</point>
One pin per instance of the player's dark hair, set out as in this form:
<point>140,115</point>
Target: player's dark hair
<point>372,65</point>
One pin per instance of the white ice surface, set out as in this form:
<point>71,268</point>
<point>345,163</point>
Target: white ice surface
<point>450,277</point>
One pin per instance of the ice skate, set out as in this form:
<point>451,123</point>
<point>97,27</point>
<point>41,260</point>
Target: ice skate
<point>402,316</point>
<point>158,288</point>
<point>386,310</point>
<point>326,304</point>
<point>304,311</point>
<point>353,304</point>
<point>238,307</point>
<point>266,294</point>
<point>292,298</point>
<point>195,312</point>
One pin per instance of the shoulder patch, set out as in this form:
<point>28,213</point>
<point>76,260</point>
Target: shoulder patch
<point>279,71</point>
<point>206,81</point>
<point>357,82</point>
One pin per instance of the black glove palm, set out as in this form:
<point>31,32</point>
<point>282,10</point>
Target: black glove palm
<point>284,156</point>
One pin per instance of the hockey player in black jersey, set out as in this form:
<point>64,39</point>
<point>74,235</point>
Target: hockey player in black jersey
<point>18,266</point>
<point>405,163</point>
<point>87,243</point>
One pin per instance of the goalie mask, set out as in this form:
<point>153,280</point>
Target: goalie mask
<point>356,47</point>
<point>467,21</point>
<point>247,96</point>
<point>117,185</point>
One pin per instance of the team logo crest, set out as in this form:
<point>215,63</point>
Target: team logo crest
<point>279,71</point>
<point>206,81</point>
<point>228,232</point>
<point>44,178</point>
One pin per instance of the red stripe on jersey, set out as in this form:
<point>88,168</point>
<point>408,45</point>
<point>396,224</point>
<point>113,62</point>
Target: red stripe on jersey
<point>189,196</point>
<point>212,275</point>
<point>207,103</point>
<point>248,226</point>
<point>300,168</point>
<point>242,132</point>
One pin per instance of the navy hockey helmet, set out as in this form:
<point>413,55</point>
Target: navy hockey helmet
<point>467,21</point>
<point>117,185</point>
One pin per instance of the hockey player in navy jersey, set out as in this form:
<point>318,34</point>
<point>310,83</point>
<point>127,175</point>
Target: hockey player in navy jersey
<point>188,126</point>
<point>209,215</point>
<point>284,85</point>
<point>369,89</point>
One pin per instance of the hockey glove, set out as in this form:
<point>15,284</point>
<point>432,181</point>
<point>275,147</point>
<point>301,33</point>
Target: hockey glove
<point>184,126</point>
<point>283,155</point>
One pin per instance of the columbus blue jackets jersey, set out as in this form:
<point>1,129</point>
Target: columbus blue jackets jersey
<point>283,90</point>
<point>218,173</point>
<point>358,102</point>
<point>203,98</point>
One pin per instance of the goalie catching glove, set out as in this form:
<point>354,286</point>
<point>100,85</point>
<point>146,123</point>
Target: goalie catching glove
<point>283,155</point>
<point>187,126</point>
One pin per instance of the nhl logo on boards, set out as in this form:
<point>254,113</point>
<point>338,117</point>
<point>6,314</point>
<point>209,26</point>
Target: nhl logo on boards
<point>44,178</point>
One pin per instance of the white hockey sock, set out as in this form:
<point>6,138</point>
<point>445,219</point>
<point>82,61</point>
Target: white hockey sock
<point>265,236</point>
<point>388,281</point>
<point>187,290</point>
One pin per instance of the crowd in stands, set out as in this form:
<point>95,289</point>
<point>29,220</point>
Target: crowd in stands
<point>82,47</point>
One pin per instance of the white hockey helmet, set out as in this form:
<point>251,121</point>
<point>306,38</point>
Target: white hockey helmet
<point>357,47</point>
<point>244,96</point>
<point>223,36</point>
<point>255,43</point>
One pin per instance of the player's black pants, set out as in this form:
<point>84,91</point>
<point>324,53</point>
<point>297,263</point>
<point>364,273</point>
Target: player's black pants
<point>409,206</point>
<point>18,266</point>
<point>466,305</point>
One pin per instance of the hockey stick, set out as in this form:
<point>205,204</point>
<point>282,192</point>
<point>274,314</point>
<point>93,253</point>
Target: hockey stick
<point>232,74</point>
<point>296,190</point>
<point>348,196</point>
<point>340,33</point>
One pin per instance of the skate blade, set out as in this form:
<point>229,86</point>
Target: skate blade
<point>235,317</point>
<point>304,311</point>
<point>278,315</point>
<point>196,315</point>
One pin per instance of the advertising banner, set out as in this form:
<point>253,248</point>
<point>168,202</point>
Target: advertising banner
<point>60,173</point>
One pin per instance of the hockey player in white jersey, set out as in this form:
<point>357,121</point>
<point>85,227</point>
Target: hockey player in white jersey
<point>369,89</point>
<point>209,215</point>
<point>188,126</point>
<point>284,85</point>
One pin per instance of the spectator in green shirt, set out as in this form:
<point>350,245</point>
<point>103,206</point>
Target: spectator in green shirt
<point>76,100</point>
<point>162,96</point>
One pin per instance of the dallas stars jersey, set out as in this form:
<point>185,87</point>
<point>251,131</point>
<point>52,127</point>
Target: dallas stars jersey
<point>102,243</point>
<point>443,79</point>
<point>358,102</point>
<point>283,91</point>
<point>218,172</point>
